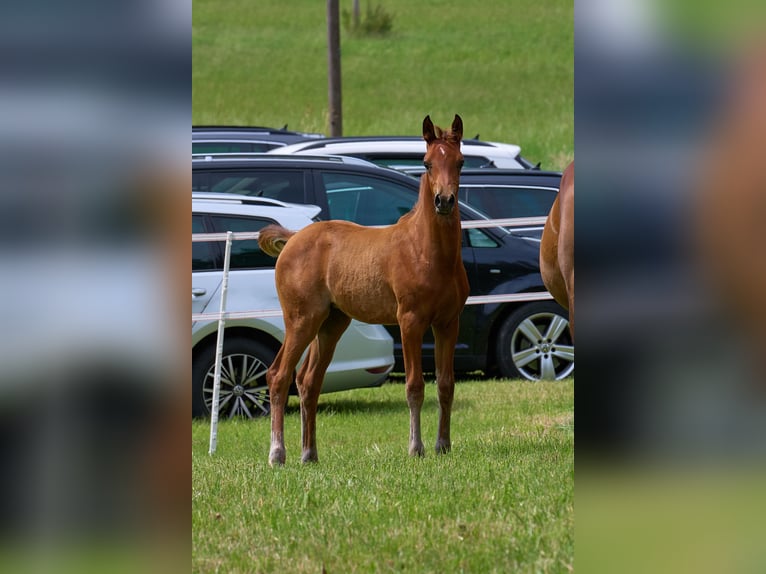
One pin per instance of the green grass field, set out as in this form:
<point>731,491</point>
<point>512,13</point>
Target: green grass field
<point>505,67</point>
<point>501,501</point>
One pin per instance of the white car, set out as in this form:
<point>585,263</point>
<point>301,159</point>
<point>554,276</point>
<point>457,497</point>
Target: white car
<point>364,355</point>
<point>407,152</point>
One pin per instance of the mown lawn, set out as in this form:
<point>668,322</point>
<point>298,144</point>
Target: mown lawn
<point>501,501</point>
<point>505,67</point>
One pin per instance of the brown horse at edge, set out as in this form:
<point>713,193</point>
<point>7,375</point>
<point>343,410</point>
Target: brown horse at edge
<point>557,246</point>
<point>410,273</point>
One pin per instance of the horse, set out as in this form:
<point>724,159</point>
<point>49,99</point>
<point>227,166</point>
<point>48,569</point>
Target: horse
<point>557,246</point>
<point>729,204</point>
<point>410,273</point>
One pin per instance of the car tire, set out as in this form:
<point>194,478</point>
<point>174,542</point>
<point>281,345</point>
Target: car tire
<point>243,390</point>
<point>535,343</point>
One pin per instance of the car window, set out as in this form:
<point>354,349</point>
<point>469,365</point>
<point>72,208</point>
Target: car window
<point>245,254</point>
<point>504,201</point>
<point>232,147</point>
<point>284,185</point>
<point>479,238</point>
<point>476,161</point>
<point>203,252</point>
<point>366,200</point>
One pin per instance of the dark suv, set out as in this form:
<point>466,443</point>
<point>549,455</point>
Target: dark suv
<point>244,139</point>
<point>502,193</point>
<point>526,338</point>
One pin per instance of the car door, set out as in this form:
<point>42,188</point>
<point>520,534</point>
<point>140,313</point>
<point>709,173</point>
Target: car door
<point>206,274</point>
<point>502,262</point>
<point>251,278</point>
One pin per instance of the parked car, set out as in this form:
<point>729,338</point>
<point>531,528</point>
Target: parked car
<point>247,139</point>
<point>402,152</point>
<point>511,193</point>
<point>502,193</point>
<point>364,355</point>
<point>526,338</point>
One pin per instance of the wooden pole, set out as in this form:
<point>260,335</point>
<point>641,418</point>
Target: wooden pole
<point>333,69</point>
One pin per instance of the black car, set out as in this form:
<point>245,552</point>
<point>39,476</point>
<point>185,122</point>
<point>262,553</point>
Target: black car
<point>505,193</point>
<point>244,139</point>
<point>526,338</point>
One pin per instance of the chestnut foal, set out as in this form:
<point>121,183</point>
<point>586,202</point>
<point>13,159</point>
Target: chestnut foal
<point>410,273</point>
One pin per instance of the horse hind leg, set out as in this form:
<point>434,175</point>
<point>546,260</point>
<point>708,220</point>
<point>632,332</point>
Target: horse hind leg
<point>311,377</point>
<point>298,335</point>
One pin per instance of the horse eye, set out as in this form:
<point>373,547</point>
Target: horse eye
<point>460,164</point>
<point>427,165</point>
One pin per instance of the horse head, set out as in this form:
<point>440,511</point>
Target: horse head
<point>443,161</point>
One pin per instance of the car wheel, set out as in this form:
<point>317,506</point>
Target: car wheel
<point>243,391</point>
<point>534,343</point>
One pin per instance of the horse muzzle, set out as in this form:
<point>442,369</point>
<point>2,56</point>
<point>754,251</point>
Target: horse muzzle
<point>444,203</point>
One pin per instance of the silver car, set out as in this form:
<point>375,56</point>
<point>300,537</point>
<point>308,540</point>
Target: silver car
<point>406,152</point>
<point>364,355</point>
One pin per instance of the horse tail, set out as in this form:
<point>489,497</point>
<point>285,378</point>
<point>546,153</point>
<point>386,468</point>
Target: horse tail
<point>272,239</point>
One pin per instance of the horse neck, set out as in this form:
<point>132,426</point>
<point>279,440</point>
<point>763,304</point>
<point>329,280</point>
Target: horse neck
<point>442,234</point>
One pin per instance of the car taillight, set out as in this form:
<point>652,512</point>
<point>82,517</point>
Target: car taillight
<point>378,370</point>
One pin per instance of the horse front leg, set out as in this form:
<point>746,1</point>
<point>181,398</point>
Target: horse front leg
<point>412,340</point>
<point>445,339</point>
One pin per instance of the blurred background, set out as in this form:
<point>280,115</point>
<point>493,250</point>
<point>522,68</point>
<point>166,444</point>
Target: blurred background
<point>670,103</point>
<point>94,146</point>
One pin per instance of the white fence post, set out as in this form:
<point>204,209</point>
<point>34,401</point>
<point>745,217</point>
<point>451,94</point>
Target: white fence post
<point>219,348</point>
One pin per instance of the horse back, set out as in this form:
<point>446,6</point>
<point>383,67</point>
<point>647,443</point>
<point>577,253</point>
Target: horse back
<point>557,243</point>
<point>342,264</point>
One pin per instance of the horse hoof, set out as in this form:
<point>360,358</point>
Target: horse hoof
<point>309,456</point>
<point>277,458</point>
<point>417,450</point>
<point>443,447</point>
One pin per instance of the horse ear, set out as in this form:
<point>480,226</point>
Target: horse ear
<point>428,130</point>
<point>457,128</point>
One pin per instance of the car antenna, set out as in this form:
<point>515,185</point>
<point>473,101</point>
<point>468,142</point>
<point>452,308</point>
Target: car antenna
<point>476,137</point>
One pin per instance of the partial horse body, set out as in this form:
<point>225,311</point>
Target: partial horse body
<point>557,246</point>
<point>410,273</point>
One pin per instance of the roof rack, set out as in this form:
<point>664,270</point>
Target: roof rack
<point>244,199</point>
<point>359,139</point>
<point>259,156</point>
<point>262,129</point>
